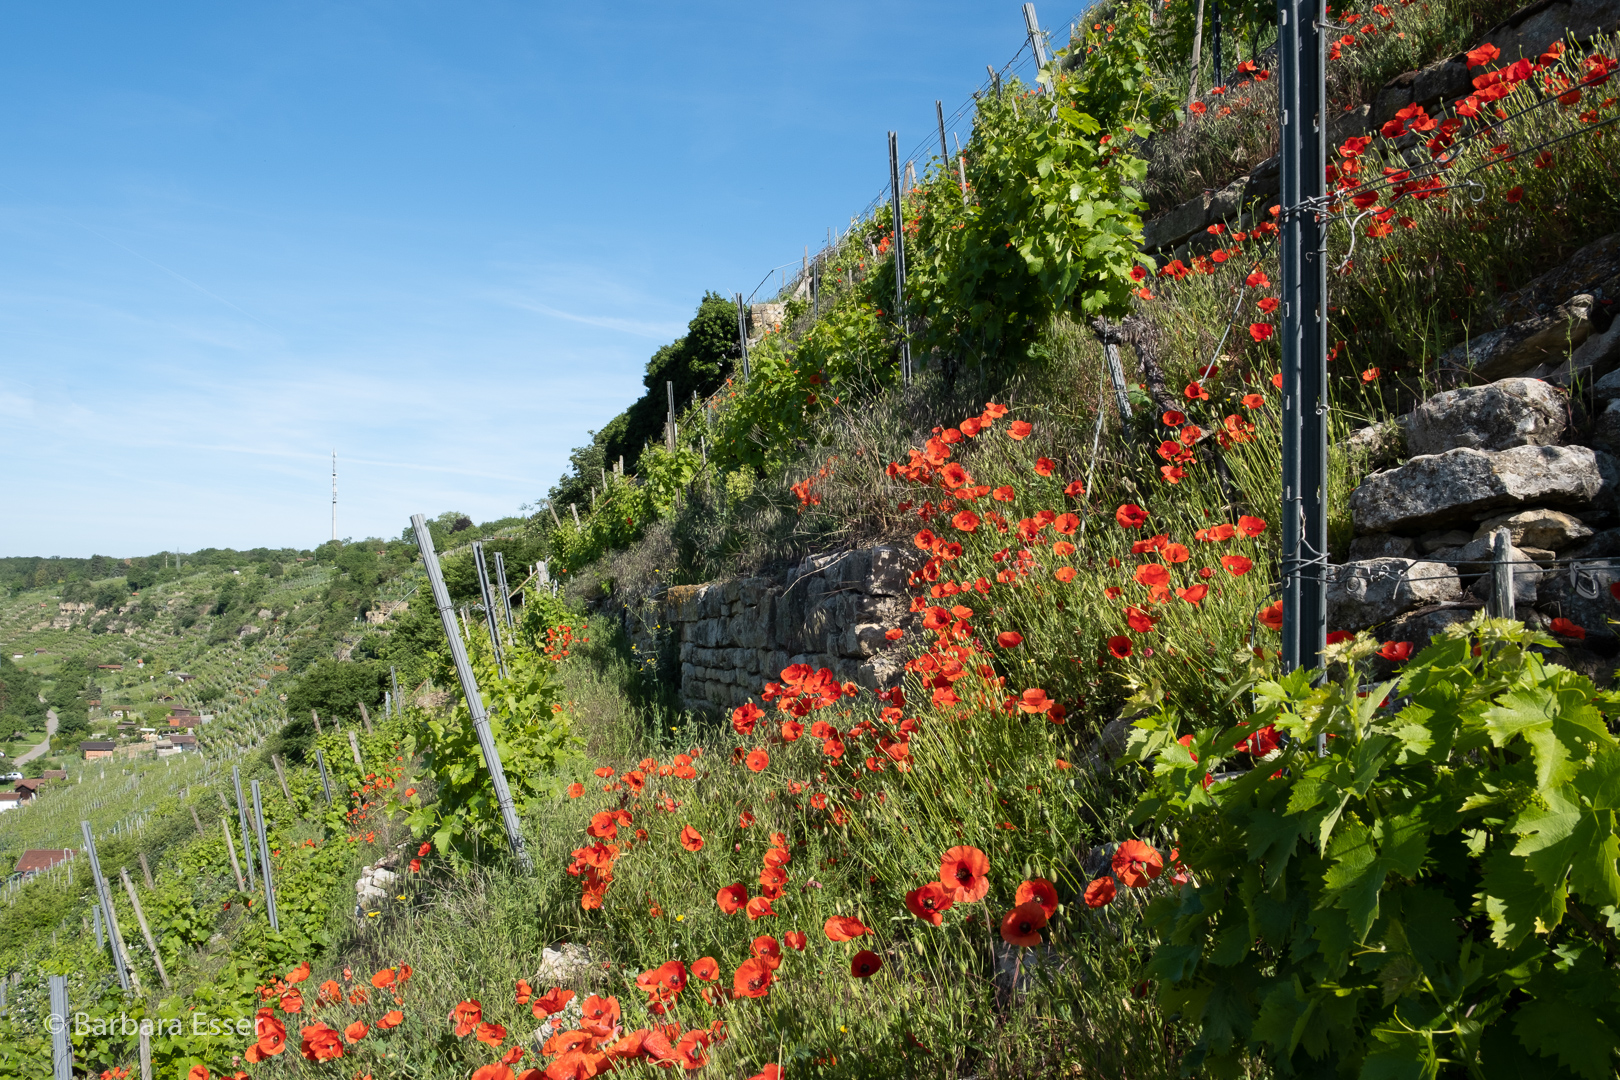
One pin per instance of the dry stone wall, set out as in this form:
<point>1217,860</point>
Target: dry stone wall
<point>721,642</point>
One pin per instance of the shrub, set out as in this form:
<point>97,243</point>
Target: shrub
<point>1389,879</point>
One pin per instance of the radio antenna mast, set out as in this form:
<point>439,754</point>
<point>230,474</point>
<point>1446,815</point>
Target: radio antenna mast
<point>334,494</point>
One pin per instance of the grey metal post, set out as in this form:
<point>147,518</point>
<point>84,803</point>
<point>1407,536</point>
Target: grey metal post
<point>1501,602</point>
<point>899,259</point>
<point>326,783</point>
<point>1037,40</point>
<point>264,860</point>
<point>475,702</point>
<point>393,678</point>
<point>500,575</point>
<point>61,1048</point>
<point>242,820</point>
<point>742,342</point>
<point>105,896</point>
<point>944,149</point>
<point>95,912</point>
<point>489,605</point>
<point>1304,331</point>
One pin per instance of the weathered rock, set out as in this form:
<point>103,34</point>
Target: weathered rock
<point>1589,270</point>
<point>1381,546</point>
<point>1608,387</point>
<point>1363,594</point>
<point>1461,485</point>
<point>564,964</point>
<point>1497,416</point>
<point>1530,30</point>
<point>1515,349</point>
<point>1548,529</point>
<point>1597,356</point>
<point>1586,602</point>
<point>1440,539</point>
<point>1419,627</point>
<point>1606,430</point>
<point>1377,445</point>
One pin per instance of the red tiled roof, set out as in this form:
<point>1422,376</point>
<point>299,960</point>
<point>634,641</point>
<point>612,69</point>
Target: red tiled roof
<point>41,859</point>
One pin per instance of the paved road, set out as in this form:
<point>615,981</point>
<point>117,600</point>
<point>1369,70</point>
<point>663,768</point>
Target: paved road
<point>39,751</point>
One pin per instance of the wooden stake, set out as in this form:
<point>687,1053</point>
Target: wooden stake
<point>281,775</point>
<point>315,716</point>
<point>146,1051</point>
<point>365,717</point>
<point>147,870</point>
<point>197,821</point>
<point>236,866</point>
<point>146,931</point>
<point>354,745</point>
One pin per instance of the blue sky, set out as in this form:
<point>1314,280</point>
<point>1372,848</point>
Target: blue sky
<point>440,238</point>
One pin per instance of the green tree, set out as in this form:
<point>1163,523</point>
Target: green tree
<point>336,689</point>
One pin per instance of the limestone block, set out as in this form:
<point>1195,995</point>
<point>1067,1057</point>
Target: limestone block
<point>1497,416</point>
<point>1462,484</point>
<point>1539,528</point>
<point>1363,594</point>
<point>1381,546</point>
<point>1531,29</point>
<point>1515,349</point>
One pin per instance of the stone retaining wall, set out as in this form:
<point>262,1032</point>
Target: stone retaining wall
<point>729,638</point>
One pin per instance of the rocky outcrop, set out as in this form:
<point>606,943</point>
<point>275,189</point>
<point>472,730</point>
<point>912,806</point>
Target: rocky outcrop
<point>1549,530</point>
<point>1364,594</point>
<point>831,611</point>
<point>1497,416</point>
<point>1522,346</point>
<point>1461,485</point>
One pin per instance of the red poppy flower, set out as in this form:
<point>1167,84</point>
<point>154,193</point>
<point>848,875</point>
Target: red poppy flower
<point>1514,194</point>
<point>1194,594</point>
<point>321,1043</point>
<point>759,907</point>
<point>1066,524</point>
<point>936,618</point>
<point>844,928</point>
<point>1039,891</point>
<point>1153,575</point>
<point>1045,466</point>
<point>1175,553</point>
<point>1276,380</point>
<point>1019,430</point>
<point>967,521</point>
<point>752,979</point>
<point>1138,620</point>
<point>575,790</point>
<point>1022,925</point>
<point>1100,893</point>
<point>963,870</point>
<point>1237,565</point>
<point>1483,55</point>
<point>1565,628</point>
<point>1254,401</point>
<point>552,1001</point>
<point>732,898</point>
<point>792,729</point>
<point>1172,418</point>
<point>744,717</point>
<point>489,1034</point>
<point>1137,863</point>
<point>1075,489</point>
<point>1397,651</point>
<point>1131,516</point>
<point>1271,616</point>
<point>1139,273</point>
<point>1260,331</point>
<point>1336,636</point>
<point>1034,701</point>
<point>1195,392</point>
<point>600,1011</point>
<point>795,940</point>
<point>930,902</point>
<point>993,411</point>
<point>1064,574</point>
<point>866,964</point>
<point>495,1071</point>
<point>393,1017</point>
<point>1009,639</point>
<point>758,760</point>
<point>1251,526</point>
<point>1003,494</point>
<point>1120,646</point>
<point>691,839</point>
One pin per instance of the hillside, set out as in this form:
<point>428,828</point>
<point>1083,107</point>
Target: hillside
<point>909,700</point>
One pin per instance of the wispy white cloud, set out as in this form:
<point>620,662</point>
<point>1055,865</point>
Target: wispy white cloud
<point>660,331</point>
